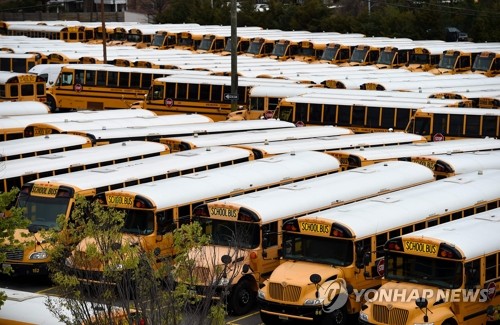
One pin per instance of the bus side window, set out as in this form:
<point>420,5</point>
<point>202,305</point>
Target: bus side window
<point>67,79</point>
<point>270,234</point>
<point>165,221</point>
<point>157,92</point>
<point>472,274</point>
<point>14,91</point>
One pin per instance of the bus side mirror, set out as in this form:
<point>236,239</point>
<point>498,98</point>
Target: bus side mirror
<point>421,303</point>
<point>363,258</point>
<point>472,278</point>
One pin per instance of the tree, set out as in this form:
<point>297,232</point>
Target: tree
<point>103,273</point>
<point>11,218</point>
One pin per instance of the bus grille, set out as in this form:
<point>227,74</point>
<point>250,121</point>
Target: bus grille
<point>14,254</point>
<point>395,316</point>
<point>284,293</point>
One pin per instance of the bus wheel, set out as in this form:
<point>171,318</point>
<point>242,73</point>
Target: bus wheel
<point>336,317</point>
<point>269,319</point>
<point>242,298</point>
<point>52,104</point>
<point>451,322</point>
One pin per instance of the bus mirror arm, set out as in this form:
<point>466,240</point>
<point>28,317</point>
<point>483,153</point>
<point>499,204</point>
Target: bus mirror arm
<point>315,279</point>
<point>422,305</point>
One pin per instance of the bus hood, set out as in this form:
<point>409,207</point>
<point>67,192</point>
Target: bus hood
<point>212,255</point>
<point>216,264</point>
<point>32,241</point>
<point>404,295</point>
<point>79,258</point>
<point>299,272</point>
<point>399,302</point>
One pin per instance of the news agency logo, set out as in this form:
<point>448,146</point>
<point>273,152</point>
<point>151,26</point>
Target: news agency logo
<point>337,294</point>
<point>411,295</point>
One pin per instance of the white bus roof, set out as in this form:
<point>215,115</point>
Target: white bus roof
<point>473,236</point>
<point>331,190</point>
<point>114,123</point>
<point>335,143</point>
<point>372,102</point>
<point>424,148</point>
<point>461,111</point>
<point>22,307</point>
<point>186,129</point>
<point>147,167</point>
<point>41,143</point>
<point>78,157</point>
<point>391,211</point>
<point>235,138</point>
<point>465,162</point>
<point>221,181</point>
<point>7,122</point>
<point>9,108</point>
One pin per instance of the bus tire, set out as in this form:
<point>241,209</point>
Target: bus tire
<point>242,298</point>
<point>269,319</point>
<point>51,102</point>
<point>449,322</point>
<point>337,317</point>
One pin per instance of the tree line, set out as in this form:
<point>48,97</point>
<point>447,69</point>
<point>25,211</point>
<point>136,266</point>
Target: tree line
<point>415,19</point>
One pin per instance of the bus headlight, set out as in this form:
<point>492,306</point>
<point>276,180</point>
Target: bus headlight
<point>363,316</point>
<point>313,302</point>
<point>39,255</point>
<point>261,294</point>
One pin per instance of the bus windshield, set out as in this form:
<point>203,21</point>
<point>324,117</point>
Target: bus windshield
<point>358,55</point>
<point>329,53</point>
<point>279,49</point>
<point>205,44</point>
<point>482,63</point>
<point>448,61</point>
<point>386,57</point>
<point>138,222</point>
<point>42,211</point>
<point>441,273</point>
<point>254,48</point>
<point>158,40</point>
<point>419,58</point>
<point>230,233</point>
<point>331,251</point>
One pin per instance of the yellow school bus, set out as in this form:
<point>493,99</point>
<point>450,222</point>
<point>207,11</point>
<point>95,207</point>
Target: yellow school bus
<point>445,123</point>
<point>156,210</point>
<point>447,274</point>
<point>22,87</point>
<point>45,199</point>
<point>454,61</point>
<point>331,257</point>
<point>248,226</point>
<point>487,63</point>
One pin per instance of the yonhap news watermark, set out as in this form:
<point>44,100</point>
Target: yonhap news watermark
<point>338,296</point>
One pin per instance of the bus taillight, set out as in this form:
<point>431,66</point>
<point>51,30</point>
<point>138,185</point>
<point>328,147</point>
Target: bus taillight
<point>201,211</point>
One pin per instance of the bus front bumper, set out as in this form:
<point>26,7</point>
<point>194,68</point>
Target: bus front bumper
<point>26,269</point>
<point>306,313</point>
